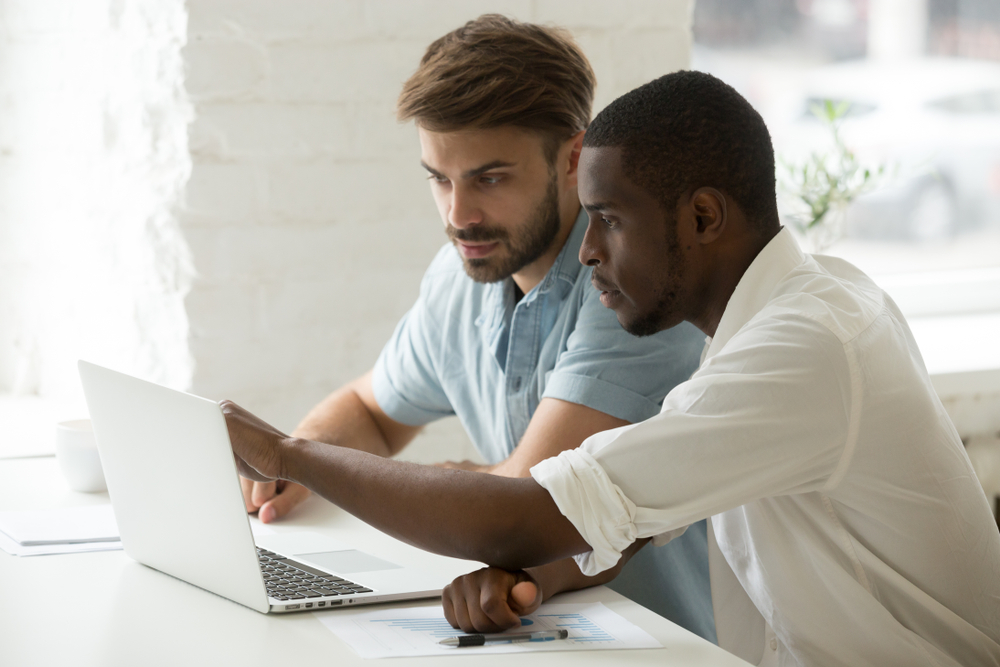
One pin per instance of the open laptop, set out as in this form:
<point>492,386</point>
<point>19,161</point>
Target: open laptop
<point>176,495</point>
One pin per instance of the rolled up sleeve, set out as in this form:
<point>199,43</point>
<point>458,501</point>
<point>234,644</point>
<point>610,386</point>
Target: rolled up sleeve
<point>597,508</point>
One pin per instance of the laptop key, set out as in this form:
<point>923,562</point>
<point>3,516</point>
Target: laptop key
<point>311,570</point>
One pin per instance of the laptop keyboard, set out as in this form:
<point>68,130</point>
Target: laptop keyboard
<point>287,579</point>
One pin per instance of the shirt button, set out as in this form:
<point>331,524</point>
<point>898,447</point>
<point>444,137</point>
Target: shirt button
<point>517,383</point>
<point>774,644</point>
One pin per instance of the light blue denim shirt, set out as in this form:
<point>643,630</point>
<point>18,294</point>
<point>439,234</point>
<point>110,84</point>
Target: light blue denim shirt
<point>466,349</point>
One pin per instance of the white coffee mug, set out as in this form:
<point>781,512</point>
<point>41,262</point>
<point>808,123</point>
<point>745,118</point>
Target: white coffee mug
<point>79,461</point>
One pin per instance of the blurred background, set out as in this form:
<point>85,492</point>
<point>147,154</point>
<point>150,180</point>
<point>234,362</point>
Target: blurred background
<point>922,81</point>
<point>215,194</point>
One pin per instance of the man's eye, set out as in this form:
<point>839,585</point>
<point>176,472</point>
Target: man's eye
<point>437,178</point>
<point>489,180</point>
<point>611,224</point>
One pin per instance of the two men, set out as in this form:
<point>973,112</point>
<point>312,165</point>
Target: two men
<point>507,333</point>
<point>848,515</point>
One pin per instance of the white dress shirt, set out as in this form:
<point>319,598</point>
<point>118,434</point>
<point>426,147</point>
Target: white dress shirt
<point>840,493</point>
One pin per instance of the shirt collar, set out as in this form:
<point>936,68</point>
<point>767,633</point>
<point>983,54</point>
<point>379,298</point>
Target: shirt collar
<point>753,291</point>
<point>564,271</point>
<point>567,266</point>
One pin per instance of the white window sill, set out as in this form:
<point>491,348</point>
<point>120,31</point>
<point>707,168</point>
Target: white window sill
<point>961,352</point>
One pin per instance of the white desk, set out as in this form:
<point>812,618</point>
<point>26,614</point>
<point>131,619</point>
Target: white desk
<point>103,609</point>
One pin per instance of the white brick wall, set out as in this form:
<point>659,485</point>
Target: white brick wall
<point>308,217</point>
<point>93,158</point>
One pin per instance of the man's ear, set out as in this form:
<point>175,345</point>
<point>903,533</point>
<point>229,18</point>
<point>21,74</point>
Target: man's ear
<point>575,145</point>
<point>708,206</point>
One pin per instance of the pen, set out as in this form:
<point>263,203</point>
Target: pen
<point>504,638</point>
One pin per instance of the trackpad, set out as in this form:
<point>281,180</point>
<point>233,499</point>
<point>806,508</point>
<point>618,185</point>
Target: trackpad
<point>348,561</point>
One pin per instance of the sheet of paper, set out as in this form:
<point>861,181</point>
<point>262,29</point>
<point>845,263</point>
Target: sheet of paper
<point>416,631</point>
<point>15,549</point>
<point>64,525</point>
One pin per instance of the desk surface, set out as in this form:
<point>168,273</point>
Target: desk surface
<point>103,609</point>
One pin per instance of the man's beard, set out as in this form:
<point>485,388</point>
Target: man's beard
<point>534,240</point>
<point>666,304</point>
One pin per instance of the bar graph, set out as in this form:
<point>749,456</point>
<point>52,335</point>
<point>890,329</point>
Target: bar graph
<point>581,628</point>
<point>418,630</point>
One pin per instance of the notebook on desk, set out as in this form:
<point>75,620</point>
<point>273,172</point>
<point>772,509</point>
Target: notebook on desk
<point>173,483</point>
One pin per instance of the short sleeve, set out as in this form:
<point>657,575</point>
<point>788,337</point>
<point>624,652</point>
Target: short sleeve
<point>607,369</point>
<point>405,380</point>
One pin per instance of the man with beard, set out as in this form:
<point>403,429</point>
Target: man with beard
<point>850,524</point>
<point>507,332</point>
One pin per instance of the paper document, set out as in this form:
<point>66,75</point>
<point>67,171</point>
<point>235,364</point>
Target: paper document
<point>65,525</point>
<point>416,631</point>
<point>15,548</point>
<point>59,531</point>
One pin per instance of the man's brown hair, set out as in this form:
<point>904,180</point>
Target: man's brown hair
<point>494,72</point>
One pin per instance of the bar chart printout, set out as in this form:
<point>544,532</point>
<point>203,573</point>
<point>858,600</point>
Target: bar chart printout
<point>416,631</point>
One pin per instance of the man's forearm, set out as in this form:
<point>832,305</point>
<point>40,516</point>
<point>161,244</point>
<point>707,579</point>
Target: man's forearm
<point>341,419</point>
<point>351,417</point>
<point>564,575</point>
<point>509,523</point>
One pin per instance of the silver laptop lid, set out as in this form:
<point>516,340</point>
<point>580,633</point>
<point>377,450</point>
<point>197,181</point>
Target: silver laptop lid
<point>173,483</point>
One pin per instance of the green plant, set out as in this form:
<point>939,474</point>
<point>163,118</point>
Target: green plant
<point>827,182</point>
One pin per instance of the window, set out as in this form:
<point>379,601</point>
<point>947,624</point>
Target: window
<point>923,111</point>
<point>924,103</point>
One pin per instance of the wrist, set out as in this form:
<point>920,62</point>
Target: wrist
<point>546,577</point>
<point>558,577</point>
<point>292,450</point>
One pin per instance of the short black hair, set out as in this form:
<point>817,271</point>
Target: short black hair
<point>688,130</point>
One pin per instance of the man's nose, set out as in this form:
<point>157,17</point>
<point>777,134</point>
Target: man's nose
<point>463,209</point>
<point>591,253</point>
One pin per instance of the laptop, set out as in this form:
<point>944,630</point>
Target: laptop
<point>176,495</point>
